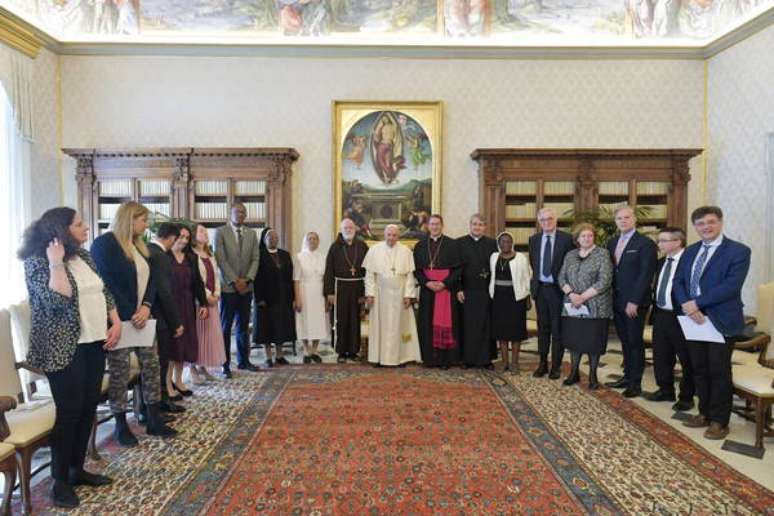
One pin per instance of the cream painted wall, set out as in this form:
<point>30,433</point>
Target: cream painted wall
<point>45,183</point>
<point>741,116</point>
<point>245,101</point>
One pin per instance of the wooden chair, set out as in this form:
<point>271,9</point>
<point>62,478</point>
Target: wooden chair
<point>8,464</point>
<point>29,424</point>
<point>21,320</point>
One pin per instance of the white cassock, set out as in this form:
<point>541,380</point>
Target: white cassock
<point>392,330</point>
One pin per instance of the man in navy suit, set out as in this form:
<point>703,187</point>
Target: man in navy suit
<point>546,255</point>
<point>634,256</point>
<point>708,287</point>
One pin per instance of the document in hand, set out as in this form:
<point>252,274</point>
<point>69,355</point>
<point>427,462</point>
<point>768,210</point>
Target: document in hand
<point>581,311</point>
<point>702,332</point>
<point>132,337</point>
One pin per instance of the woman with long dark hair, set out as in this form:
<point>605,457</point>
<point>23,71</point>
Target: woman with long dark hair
<point>70,308</point>
<point>188,289</point>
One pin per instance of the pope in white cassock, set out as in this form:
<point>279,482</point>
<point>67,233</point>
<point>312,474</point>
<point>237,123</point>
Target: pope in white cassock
<point>390,288</point>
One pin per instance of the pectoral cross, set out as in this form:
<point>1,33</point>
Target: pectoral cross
<point>352,270</point>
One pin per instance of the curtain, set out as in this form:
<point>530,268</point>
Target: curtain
<point>14,201</point>
<point>16,78</point>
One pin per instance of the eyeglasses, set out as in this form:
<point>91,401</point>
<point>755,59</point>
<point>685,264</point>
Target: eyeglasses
<point>667,240</point>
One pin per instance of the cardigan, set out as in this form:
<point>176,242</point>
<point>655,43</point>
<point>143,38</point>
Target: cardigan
<point>519,275</point>
<point>595,270</point>
<point>55,319</point>
<point>120,275</point>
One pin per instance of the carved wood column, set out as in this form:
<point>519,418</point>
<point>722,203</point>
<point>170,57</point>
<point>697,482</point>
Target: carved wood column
<point>87,202</point>
<point>492,195</point>
<point>279,199</point>
<point>182,188</point>
<point>678,191</point>
<point>586,188</point>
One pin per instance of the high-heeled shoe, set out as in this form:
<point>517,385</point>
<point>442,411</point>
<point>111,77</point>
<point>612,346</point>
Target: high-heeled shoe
<point>184,392</point>
<point>174,397</point>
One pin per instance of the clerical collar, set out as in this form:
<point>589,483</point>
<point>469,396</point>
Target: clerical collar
<point>436,239</point>
<point>476,238</point>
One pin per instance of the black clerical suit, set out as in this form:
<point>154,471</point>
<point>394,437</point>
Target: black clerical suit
<point>478,348</point>
<point>546,257</point>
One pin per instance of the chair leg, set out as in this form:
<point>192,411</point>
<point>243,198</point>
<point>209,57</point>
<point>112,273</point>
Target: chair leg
<point>10,481</point>
<point>24,456</point>
<point>92,450</point>
<point>760,417</point>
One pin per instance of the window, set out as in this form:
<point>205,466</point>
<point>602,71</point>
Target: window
<point>14,166</point>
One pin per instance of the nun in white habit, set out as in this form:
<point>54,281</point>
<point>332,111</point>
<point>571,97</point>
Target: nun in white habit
<point>312,324</point>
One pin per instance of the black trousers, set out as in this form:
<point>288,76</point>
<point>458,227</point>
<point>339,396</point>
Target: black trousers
<point>548,304</point>
<point>76,391</point>
<point>712,375</point>
<point>237,305</point>
<point>630,330</point>
<point>669,345</point>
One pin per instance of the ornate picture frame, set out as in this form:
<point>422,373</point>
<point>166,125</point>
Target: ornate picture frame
<point>387,162</point>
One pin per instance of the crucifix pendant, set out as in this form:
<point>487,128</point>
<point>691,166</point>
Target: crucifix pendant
<point>352,270</point>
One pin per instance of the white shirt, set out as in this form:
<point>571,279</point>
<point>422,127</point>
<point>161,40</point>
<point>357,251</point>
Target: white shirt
<point>92,305</point>
<point>675,261</point>
<point>713,245</point>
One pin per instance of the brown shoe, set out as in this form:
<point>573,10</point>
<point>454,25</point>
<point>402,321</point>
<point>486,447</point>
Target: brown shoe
<point>716,432</point>
<point>697,421</point>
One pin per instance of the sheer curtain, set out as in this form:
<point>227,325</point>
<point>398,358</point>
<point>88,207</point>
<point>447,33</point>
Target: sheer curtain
<point>14,206</point>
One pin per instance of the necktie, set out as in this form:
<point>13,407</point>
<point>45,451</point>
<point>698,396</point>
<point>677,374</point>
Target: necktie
<point>619,248</point>
<point>239,239</point>
<point>547,252</point>
<point>662,287</point>
<point>697,270</point>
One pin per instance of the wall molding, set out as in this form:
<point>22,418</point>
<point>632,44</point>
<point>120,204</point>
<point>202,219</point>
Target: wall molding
<point>18,34</point>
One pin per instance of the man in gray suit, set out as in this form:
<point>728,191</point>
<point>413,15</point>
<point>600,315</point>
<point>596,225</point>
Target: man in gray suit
<point>237,253</point>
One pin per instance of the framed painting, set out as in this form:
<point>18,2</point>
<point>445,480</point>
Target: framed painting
<point>387,165</point>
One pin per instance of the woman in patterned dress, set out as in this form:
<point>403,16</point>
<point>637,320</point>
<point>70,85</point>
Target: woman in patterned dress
<point>586,279</point>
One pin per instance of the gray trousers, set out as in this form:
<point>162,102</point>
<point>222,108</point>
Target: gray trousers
<point>118,366</point>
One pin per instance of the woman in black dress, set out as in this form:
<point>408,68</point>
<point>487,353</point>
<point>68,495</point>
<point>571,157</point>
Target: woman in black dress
<point>275,320</point>
<point>188,289</point>
<point>509,290</point>
<point>586,279</point>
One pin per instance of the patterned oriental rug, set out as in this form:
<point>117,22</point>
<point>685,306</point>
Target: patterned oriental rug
<point>358,440</point>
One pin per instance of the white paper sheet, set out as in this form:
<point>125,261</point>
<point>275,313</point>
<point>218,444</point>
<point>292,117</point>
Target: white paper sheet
<point>703,332</point>
<point>583,310</point>
<point>131,337</point>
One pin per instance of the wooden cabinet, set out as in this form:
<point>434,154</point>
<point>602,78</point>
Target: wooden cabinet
<point>515,183</point>
<point>199,184</point>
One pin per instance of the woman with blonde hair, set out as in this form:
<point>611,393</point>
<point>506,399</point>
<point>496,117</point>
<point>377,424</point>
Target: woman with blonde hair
<point>509,289</point>
<point>211,350</point>
<point>586,279</point>
<point>312,320</point>
<point>121,259</point>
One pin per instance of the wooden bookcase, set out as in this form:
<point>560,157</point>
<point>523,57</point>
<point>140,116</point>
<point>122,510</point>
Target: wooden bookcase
<point>195,183</point>
<point>515,183</point>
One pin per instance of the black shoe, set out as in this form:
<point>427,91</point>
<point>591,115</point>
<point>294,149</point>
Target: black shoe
<point>307,360</point>
<point>247,367</point>
<point>542,369</point>
<point>683,405</point>
<point>572,379</point>
<point>282,361</point>
<point>555,373</point>
<point>122,433</point>
<point>489,367</point>
<point>660,395</point>
<point>632,392</point>
<point>142,418</point>
<point>176,397</point>
<point>172,408</point>
<point>593,385</point>
<point>623,383</point>
<point>316,358</point>
<point>156,425</point>
<point>63,495</point>
<point>184,392</point>
<point>226,373</point>
<point>84,478</point>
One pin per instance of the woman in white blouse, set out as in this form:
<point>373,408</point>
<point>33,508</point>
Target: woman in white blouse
<point>311,320</point>
<point>509,290</point>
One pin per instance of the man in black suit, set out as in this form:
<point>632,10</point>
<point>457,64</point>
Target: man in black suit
<point>668,339</point>
<point>634,256</point>
<point>546,255</point>
<point>164,309</point>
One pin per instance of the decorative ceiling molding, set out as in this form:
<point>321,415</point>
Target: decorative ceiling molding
<point>741,33</point>
<point>18,34</point>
